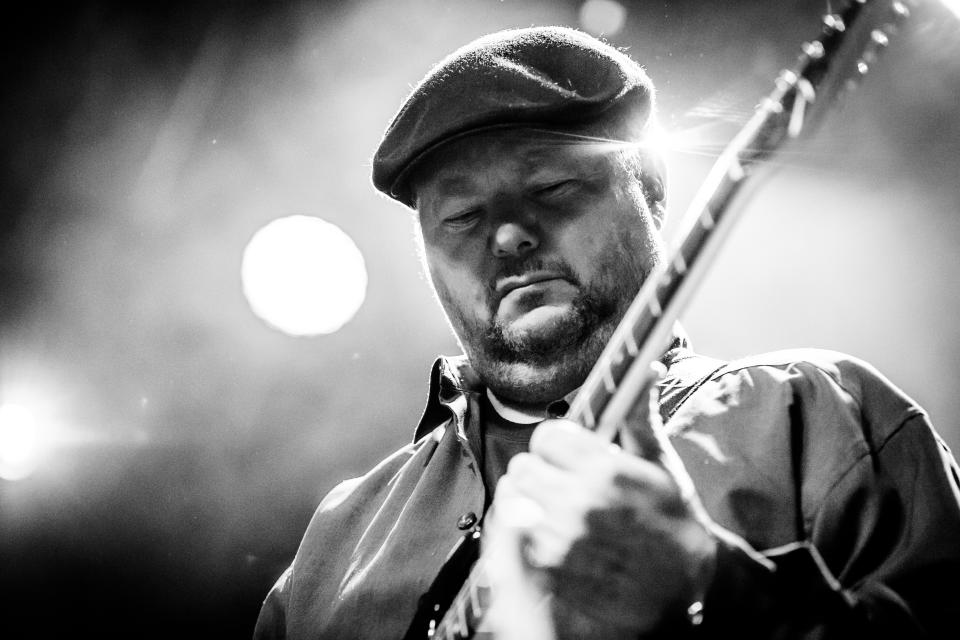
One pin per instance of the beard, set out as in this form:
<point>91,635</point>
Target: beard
<point>538,366</point>
<point>589,310</point>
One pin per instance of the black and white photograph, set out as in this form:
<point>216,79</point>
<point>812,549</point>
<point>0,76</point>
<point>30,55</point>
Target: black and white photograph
<point>493,319</point>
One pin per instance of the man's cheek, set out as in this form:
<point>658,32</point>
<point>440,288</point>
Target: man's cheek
<point>468,312</point>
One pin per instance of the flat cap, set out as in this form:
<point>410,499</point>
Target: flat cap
<point>554,78</point>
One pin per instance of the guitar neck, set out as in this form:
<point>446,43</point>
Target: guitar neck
<point>800,98</point>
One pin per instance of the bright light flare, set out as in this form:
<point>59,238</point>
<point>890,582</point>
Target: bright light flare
<point>953,5</point>
<point>19,442</point>
<point>700,140</point>
<point>303,275</point>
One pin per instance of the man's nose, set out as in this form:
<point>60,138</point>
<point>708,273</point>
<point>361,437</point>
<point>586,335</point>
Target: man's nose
<point>514,238</point>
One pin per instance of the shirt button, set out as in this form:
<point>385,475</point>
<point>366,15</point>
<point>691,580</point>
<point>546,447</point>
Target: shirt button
<point>466,521</point>
<point>558,408</point>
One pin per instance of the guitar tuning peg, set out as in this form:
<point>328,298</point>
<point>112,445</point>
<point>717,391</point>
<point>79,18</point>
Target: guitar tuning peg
<point>879,38</point>
<point>901,9</point>
<point>862,67</point>
<point>834,22</point>
<point>784,81</point>
<point>814,50</point>
<point>878,41</point>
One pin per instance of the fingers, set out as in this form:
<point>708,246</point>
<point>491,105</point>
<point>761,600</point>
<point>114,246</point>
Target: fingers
<point>546,502</point>
<point>556,506</point>
<point>598,548</point>
<point>565,460</point>
<point>567,445</point>
<point>518,589</point>
<point>545,533</point>
<point>535,477</point>
<point>605,529</point>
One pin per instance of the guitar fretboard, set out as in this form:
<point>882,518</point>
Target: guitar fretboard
<point>607,396</point>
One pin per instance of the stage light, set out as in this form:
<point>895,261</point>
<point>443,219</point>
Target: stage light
<point>605,17</point>
<point>19,442</point>
<point>953,5</point>
<point>303,275</point>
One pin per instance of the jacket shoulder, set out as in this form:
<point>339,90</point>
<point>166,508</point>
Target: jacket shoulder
<point>817,374</point>
<point>783,428</point>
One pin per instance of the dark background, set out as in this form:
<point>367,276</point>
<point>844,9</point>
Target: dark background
<point>188,442</point>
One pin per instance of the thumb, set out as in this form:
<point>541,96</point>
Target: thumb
<point>639,434</point>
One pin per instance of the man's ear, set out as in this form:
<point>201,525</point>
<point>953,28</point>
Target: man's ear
<point>653,179</point>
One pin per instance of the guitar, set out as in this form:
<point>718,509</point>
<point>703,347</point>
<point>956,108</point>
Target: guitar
<point>850,41</point>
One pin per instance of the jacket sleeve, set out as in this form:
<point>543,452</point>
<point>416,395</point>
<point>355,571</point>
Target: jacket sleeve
<point>880,561</point>
<point>272,621</point>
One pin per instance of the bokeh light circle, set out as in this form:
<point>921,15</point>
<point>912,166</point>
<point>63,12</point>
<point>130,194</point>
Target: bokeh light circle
<point>303,275</point>
<point>605,17</point>
<point>19,444</point>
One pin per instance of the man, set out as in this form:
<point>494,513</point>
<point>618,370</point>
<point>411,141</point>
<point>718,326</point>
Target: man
<point>798,495</point>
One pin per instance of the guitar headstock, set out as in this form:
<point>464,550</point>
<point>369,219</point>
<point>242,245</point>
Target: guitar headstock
<point>849,45</point>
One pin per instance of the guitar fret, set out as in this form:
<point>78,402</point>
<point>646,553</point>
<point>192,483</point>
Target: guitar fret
<point>608,381</point>
<point>655,309</point>
<point>631,343</point>
<point>707,221</point>
<point>589,420</point>
<point>680,264</point>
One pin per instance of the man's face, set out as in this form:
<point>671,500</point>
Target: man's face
<point>536,246</point>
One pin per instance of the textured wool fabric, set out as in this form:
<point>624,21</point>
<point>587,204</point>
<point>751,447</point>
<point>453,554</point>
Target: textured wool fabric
<point>552,78</point>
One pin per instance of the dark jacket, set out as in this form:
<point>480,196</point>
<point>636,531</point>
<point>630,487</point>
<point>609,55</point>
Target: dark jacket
<point>841,502</point>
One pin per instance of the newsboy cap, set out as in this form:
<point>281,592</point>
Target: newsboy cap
<point>552,78</point>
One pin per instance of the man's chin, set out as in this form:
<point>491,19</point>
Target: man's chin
<point>540,355</point>
<point>539,338</point>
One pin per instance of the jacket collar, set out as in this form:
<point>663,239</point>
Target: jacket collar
<point>452,379</point>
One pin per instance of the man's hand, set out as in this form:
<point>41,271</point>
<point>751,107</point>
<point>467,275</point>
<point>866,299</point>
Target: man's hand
<point>617,533</point>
